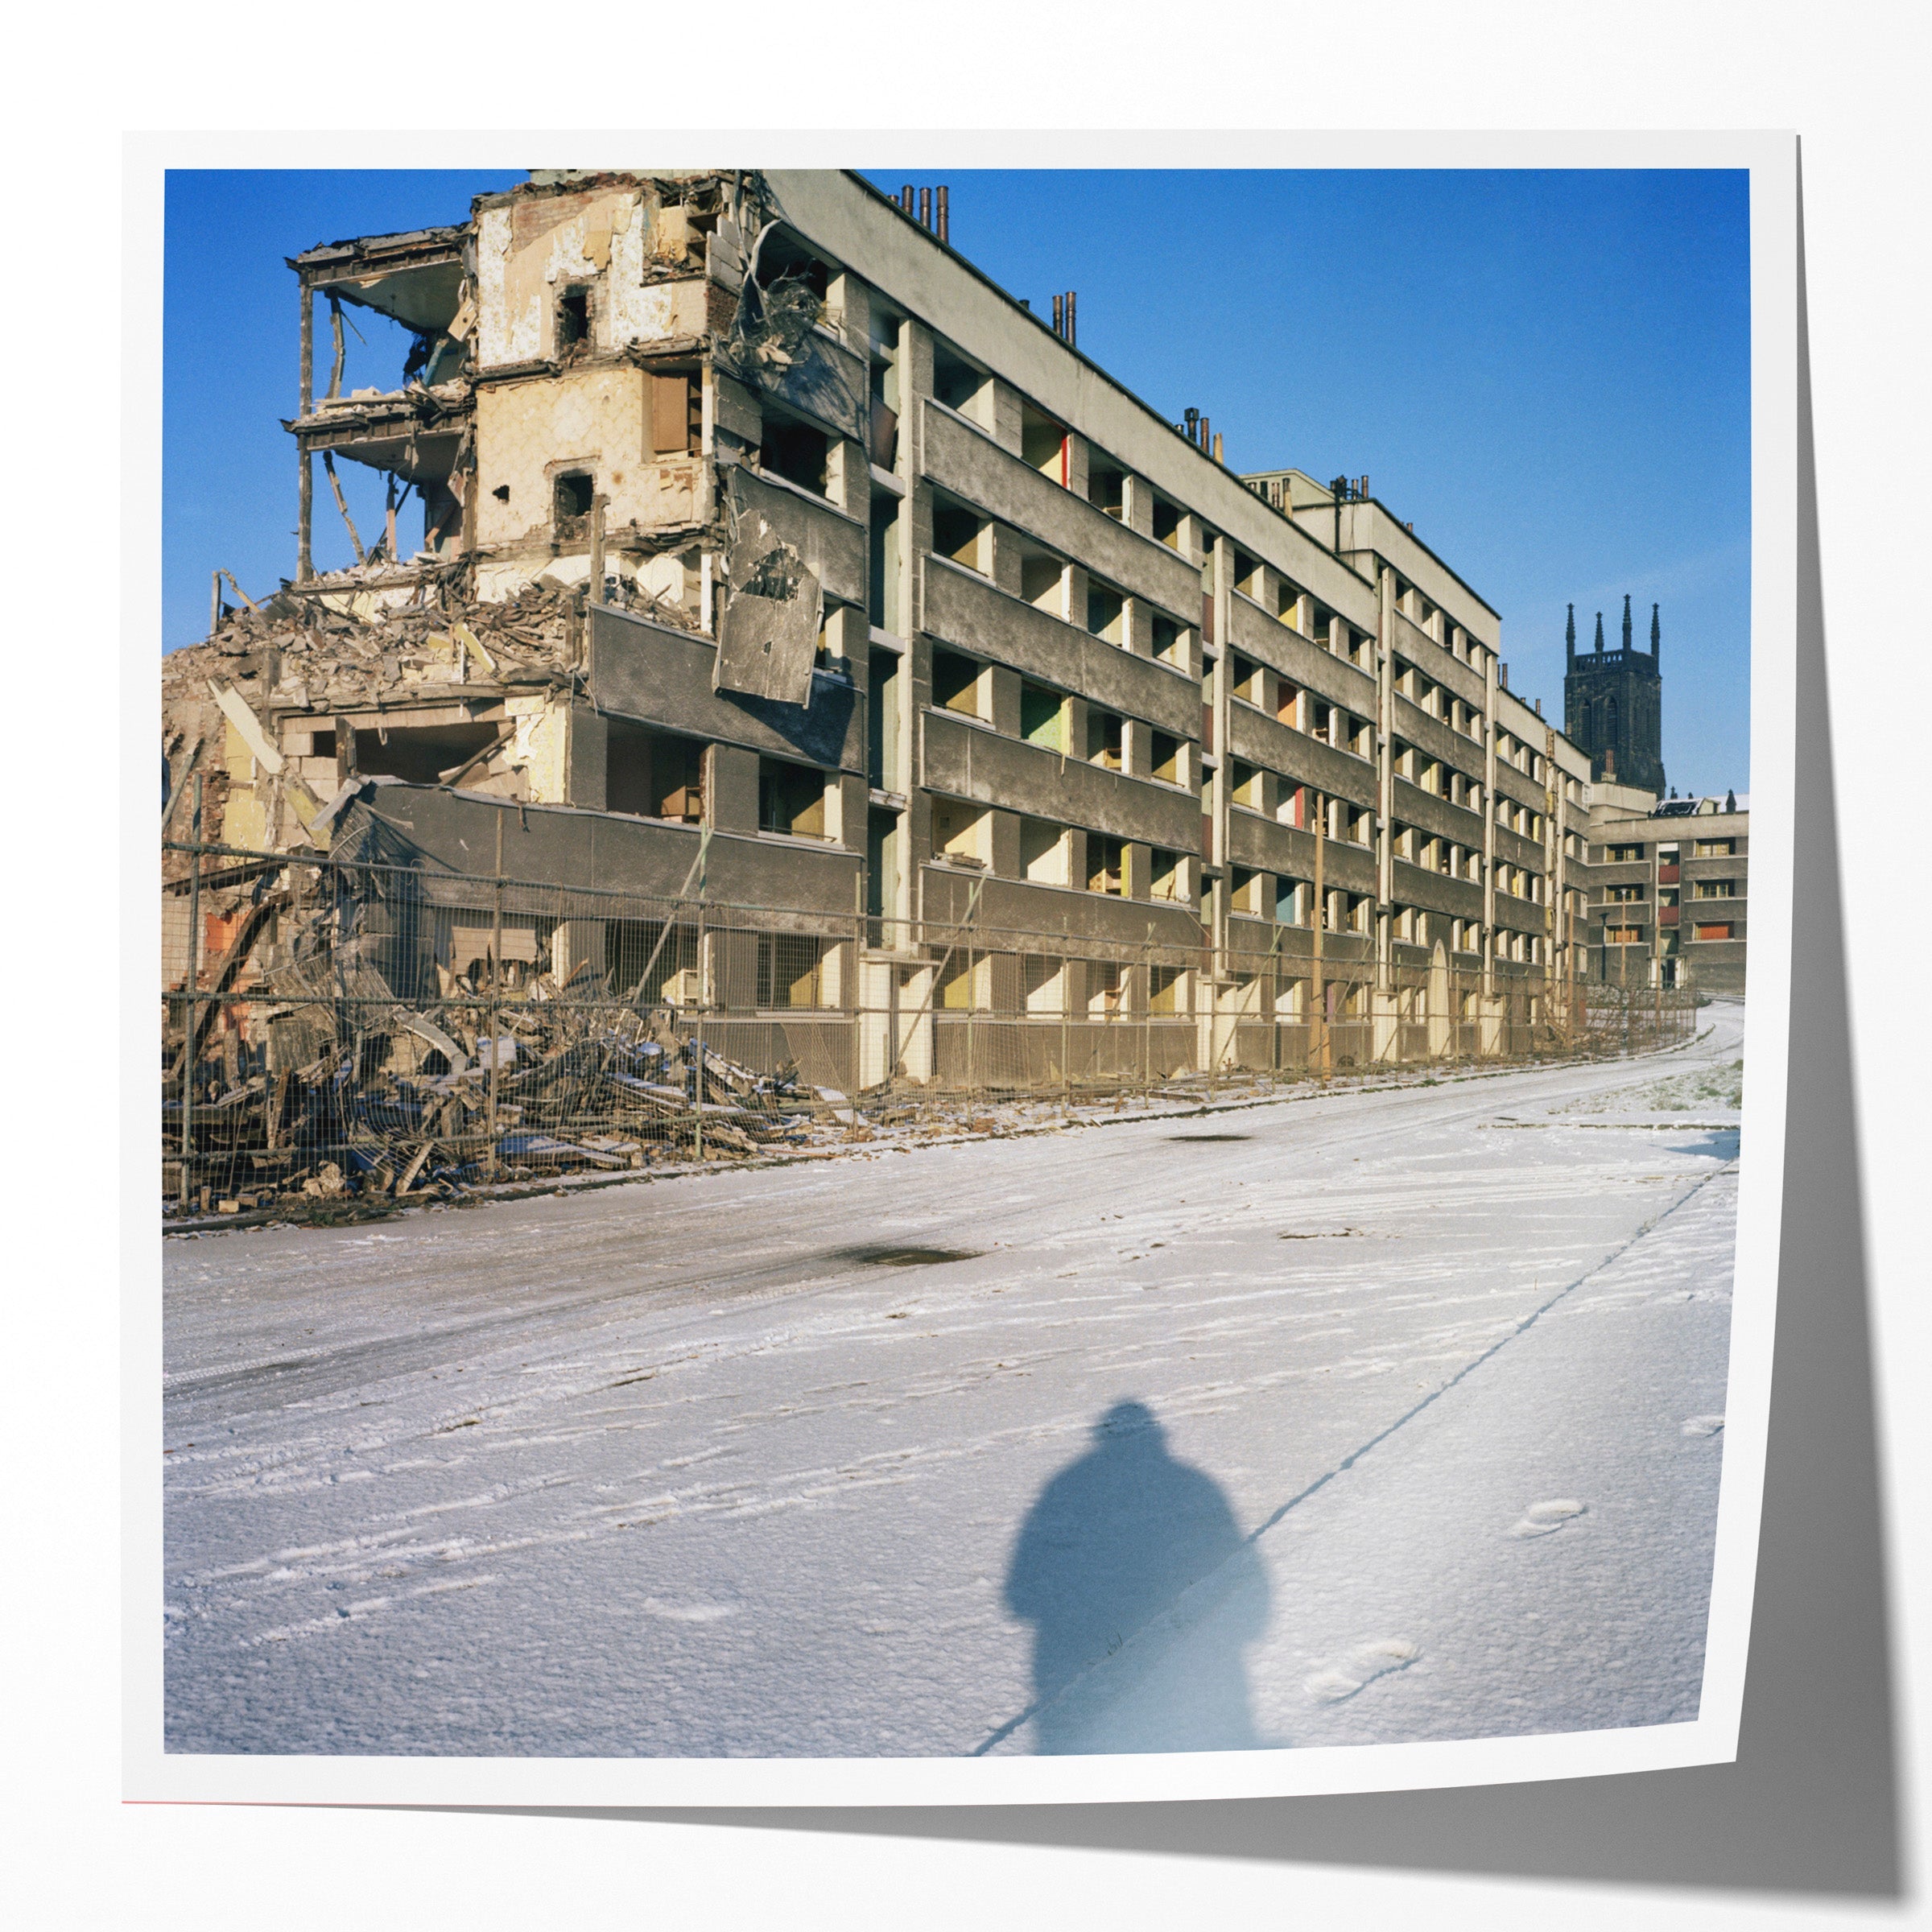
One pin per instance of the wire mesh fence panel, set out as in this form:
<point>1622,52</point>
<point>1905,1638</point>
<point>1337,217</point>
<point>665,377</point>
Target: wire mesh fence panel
<point>345,1030</point>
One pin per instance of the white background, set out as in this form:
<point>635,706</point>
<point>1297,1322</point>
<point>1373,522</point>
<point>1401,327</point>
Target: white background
<point>1850,80</point>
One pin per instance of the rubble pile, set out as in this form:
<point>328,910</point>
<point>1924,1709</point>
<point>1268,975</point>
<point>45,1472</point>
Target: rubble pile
<point>319,1117</point>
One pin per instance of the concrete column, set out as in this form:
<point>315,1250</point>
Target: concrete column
<point>731,793</point>
<point>1137,504</point>
<point>1004,858</point>
<point>1076,464</point>
<point>915,1041</point>
<point>1384,732</point>
<point>1006,424</point>
<point>586,759</point>
<point>1488,827</point>
<point>576,943</point>
<point>1223,580</point>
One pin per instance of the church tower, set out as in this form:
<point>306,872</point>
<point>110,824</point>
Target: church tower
<point>1613,705</point>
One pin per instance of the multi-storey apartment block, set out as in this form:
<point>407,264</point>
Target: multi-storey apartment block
<point>895,606</point>
<point>1668,890</point>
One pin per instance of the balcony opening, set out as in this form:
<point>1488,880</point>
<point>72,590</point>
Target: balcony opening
<point>1043,852</point>
<point>1105,869</point>
<point>1244,783</point>
<point>1106,736</point>
<point>1167,641</point>
<point>962,832</point>
<point>655,774</point>
<point>1166,989</point>
<point>955,381</point>
<point>1290,895</point>
<point>792,799</point>
<point>1245,889</point>
<point>1164,756</point>
<point>794,451</point>
<point>1167,522</point>
<point>1106,613</point>
<point>1166,876</point>
<point>1043,582</point>
<point>955,683</point>
<point>1107,489</point>
<point>1043,443</point>
<point>642,969</point>
<point>1043,716</point>
<point>791,970</point>
<point>1105,990</point>
<point>1042,983</point>
<point>956,533</point>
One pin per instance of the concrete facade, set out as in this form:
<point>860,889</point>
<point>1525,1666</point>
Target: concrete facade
<point>1060,664</point>
<point>1669,891</point>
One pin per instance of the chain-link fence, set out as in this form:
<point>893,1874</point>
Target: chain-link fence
<point>342,1030</point>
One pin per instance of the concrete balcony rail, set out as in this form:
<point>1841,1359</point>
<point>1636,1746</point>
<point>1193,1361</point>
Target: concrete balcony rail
<point>960,457</point>
<point>1437,817</point>
<point>1303,662</point>
<point>1013,914</point>
<point>964,609</point>
<point>1438,892</point>
<point>833,544</point>
<point>1416,727</point>
<point>1437,661</point>
<point>656,675</point>
<point>968,760</point>
<point>1258,739</point>
<point>824,381</point>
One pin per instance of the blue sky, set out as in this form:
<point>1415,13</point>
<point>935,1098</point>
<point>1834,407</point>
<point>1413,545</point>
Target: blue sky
<point>1548,373</point>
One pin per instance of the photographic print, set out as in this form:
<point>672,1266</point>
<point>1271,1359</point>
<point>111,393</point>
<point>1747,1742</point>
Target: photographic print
<point>954,969</point>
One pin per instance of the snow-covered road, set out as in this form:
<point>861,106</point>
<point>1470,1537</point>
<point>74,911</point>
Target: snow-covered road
<point>1382,1414</point>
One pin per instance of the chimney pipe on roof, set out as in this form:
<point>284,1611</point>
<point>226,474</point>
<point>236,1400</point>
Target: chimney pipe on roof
<point>1059,315</point>
<point>924,208</point>
<point>905,199</point>
<point>939,209</point>
<point>1206,436</point>
<point>1217,449</point>
<point>1193,419</point>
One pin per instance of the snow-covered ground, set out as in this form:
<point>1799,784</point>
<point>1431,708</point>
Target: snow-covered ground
<point>1381,1414</point>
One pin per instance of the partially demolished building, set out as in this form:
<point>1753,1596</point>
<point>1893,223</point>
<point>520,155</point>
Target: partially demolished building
<point>772,555</point>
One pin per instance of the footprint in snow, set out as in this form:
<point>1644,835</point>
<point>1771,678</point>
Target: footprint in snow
<point>1540,1519</point>
<point>1336,1683</point>
<point>1704,1425</point>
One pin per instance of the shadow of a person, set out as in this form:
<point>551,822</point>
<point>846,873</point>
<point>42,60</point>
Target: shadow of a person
<point>1110,1545</point>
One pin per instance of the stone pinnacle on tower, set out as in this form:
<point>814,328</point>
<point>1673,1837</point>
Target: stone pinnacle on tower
<point>1626,620</point>
<point>1656,635</point>
<point>1570,638</point>
<point>1600,630</point>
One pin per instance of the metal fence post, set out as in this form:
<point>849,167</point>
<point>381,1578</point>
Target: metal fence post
<point>1067,1030</point>
<point>697,1082</point>
<point>1146,1024</point>
<point>496,984</point>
